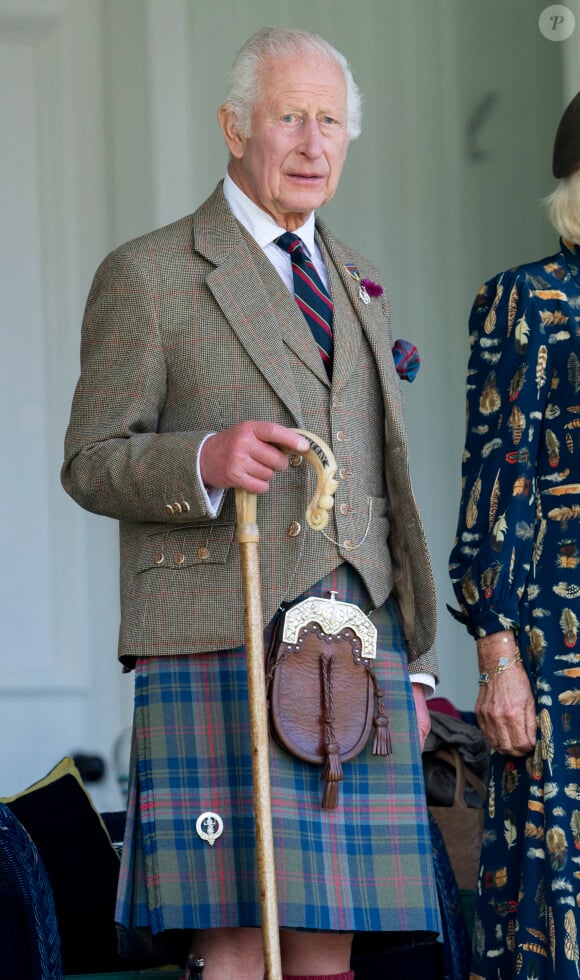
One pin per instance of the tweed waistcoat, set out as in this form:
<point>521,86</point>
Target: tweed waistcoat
<point>348,417</point>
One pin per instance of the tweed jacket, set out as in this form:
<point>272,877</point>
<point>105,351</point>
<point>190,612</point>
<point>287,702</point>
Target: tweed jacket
<point>182,337</point>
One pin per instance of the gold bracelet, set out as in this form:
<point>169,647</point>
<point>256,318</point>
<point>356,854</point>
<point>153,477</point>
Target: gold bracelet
<point>491,639</point>
<point>503,663</point>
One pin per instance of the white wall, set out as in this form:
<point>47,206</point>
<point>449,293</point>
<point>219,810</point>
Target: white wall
<point>58,604</point>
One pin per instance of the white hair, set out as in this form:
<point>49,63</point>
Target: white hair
<point>563,206</point>
<point>244,80</point>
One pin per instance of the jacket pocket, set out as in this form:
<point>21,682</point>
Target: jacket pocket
<point>179,548</point>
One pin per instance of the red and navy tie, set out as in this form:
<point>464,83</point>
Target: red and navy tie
<point>311,296</point>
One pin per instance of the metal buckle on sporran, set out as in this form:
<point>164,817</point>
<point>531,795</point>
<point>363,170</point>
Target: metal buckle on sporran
<point>324,697</point>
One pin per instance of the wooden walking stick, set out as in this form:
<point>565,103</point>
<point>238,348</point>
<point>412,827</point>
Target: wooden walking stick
<point>317,513</point>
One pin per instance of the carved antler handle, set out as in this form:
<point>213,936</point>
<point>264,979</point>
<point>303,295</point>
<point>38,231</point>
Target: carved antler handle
<point>321,457</point>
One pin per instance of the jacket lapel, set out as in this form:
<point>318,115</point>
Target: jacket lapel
<point>372,318</point>
<point>265,316</point>
<point>350,308</point>
<point>291,325</point>
<point>258,307</point>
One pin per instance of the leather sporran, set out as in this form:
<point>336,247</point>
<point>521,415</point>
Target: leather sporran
<point>324,697</point>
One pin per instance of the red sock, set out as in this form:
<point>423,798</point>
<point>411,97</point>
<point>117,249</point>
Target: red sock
<point>323,976</point>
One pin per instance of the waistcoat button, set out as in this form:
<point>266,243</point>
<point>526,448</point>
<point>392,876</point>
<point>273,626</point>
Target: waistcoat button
<point>295,460</point>
<point>294,529</point>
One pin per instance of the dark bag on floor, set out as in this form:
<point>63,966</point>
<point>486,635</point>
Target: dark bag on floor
<point>461,826</point>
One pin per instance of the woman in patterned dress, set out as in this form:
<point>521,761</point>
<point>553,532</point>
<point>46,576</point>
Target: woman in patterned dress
<point>515,568</point>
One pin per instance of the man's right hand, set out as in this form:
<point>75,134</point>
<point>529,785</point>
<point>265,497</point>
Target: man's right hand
<point>248,455</point>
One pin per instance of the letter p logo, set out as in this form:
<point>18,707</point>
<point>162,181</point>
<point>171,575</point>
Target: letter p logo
<point>557,22</point>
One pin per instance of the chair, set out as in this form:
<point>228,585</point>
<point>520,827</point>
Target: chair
<point>29,936</point>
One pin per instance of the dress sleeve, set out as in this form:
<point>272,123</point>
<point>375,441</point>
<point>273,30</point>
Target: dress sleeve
<point>508,384</point>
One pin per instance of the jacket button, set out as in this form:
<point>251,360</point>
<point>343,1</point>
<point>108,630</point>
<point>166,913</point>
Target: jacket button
<point>294,529</point>
<point>203,553</point>
<point>185,507</point>
<point>159,558</point>
<point>169,508</point>
<point>179,558</point>
<point>176,507</point>
<point>340,436</point>
<point>295,460</point>
<point>348,545</point>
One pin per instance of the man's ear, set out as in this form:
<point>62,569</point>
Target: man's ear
<point>229,126</point>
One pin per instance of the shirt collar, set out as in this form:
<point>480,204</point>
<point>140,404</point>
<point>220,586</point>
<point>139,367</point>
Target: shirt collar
<point>257,222</point>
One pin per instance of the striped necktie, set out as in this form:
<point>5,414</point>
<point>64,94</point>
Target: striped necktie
<point>311,296</point>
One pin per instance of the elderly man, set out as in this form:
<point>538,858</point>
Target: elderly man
<point>205,344</point>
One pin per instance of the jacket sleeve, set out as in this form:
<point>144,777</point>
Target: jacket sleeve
<point>508,384</point>
<point>118,460</point>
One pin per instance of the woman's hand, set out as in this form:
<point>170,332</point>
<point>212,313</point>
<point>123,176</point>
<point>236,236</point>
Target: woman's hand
<point>505,707</point>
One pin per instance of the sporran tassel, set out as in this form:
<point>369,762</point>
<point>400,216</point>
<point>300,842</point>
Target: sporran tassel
<point>331,776</point>
<point>382,739</point>
<point>382,744</point>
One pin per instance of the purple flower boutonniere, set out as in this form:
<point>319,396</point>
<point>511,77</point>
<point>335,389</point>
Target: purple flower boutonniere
<point>371,288</point>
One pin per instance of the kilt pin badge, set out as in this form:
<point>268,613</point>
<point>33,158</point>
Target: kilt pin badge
<point>209,826</point>
<point>355,274</point>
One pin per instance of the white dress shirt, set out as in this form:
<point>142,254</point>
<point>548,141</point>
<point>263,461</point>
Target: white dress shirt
<point>265,231</point>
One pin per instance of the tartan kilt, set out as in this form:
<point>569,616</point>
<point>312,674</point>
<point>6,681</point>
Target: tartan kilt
<point>366,866</point>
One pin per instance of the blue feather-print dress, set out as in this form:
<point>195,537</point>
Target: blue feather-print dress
<point>516,564</point>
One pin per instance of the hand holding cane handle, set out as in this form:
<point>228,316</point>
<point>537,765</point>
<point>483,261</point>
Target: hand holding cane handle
<point>321,458</point>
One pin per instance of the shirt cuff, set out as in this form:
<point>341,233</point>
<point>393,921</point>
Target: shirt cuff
<point>212,497</point>
<point>427,680</point>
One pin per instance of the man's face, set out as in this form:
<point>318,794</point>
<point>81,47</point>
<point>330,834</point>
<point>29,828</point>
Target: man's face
<point>291,163</point>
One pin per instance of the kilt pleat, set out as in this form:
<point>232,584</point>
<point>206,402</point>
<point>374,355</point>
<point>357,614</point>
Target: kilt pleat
<point>365,866</point>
